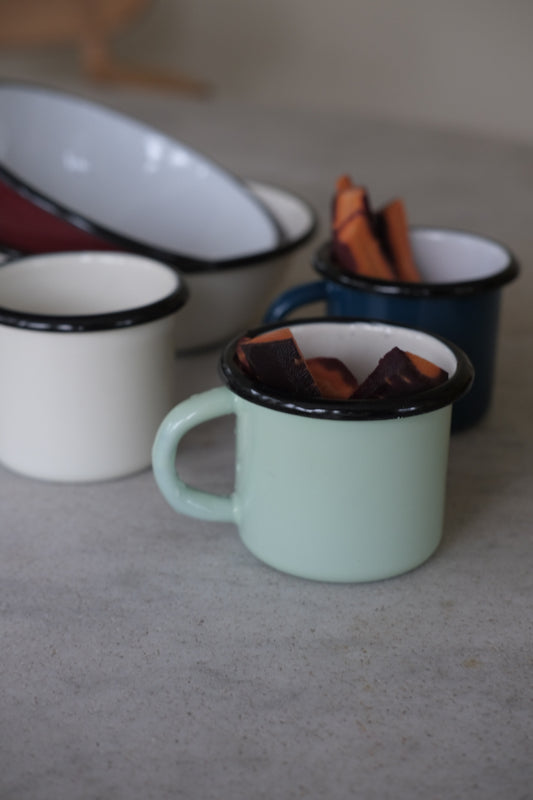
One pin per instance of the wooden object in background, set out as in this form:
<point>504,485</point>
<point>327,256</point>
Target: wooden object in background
<point>89,25</point>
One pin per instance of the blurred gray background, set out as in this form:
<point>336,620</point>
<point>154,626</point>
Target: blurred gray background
<point>462,64</point>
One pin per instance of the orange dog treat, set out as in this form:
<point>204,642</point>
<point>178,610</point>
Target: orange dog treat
<point>427,368</point>
<point>275,360</point>
<point>349,203</point>
<point>342,183</point>
<point>375,245</point>
<point>397,236</point>
<point>365,249</point>
<point>332,376</point>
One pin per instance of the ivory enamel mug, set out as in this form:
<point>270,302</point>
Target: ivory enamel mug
<point>86,358</point>
<point>329,490</point>
<point>459,298</point>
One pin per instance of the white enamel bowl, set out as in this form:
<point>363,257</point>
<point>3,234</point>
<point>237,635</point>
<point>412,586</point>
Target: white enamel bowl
<point>76,175</point>
<point>225,299</point>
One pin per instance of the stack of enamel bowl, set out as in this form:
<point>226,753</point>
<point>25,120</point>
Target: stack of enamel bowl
<point>75,175</point>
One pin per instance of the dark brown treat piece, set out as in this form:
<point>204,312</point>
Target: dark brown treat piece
<point>332,376</point>
<point>344,257</point>
<point>275,360</point>
<point>399,373</point>
<point>269,336</point>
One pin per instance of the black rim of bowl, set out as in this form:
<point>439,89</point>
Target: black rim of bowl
<point>326,265</point>
<point>184,263</point>
<point>389,408</point>
<point>81,323</point>
<point>8,254</point>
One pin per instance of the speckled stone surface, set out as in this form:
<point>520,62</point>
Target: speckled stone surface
<point>146,655</point>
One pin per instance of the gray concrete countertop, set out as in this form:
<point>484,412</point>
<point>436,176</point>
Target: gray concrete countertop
<point>147,655</point>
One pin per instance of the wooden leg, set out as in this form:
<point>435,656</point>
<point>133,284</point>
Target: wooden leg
<point>99,65</point>
<point>110,71</point>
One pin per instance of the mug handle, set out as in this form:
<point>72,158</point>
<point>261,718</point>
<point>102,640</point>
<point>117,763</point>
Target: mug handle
<point>294,298</point>
<point>185,416</point>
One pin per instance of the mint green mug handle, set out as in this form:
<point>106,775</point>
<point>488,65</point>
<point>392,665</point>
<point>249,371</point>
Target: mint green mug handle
<point>182,497</point>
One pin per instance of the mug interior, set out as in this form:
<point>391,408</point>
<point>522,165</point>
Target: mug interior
<point>446,256</point>
<point>360,344</point>
<point>87,286</point>
<point>450,262</point>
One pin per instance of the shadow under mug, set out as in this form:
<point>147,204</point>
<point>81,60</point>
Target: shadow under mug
<point>329,490</point>
<point>86,358</point>
<point>459,299</point>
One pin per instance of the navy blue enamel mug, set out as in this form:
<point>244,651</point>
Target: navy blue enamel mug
<point>458,298</point>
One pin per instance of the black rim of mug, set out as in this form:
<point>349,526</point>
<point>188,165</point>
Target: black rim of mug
<point>445,394</point>
<point>325,264</point>
<point>72,323</point>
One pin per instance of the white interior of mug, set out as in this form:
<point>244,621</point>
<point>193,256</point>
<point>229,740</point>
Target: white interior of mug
<point>447,256</point>
<point>81,284</point>
<point>360,345</point>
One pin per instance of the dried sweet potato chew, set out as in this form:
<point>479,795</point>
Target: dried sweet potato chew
<point>400,373</point>
<point>365,249</point>
<point>269,336</point>
<point>395,231</point>
<point>275,360</point>
<point>343,182</point>
<point>355,244</point>
<point>427,368</point>
<point>276,335</point>
<point>348,204</point>
<point>332,376</point>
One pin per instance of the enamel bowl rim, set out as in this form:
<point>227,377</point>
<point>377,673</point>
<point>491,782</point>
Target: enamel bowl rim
<point>185,263</point>
<point>8,253</point>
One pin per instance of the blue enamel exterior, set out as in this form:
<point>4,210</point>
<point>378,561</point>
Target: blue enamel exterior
<point>470,321</point>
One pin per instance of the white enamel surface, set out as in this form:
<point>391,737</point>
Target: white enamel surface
<point>360,345</point>
<point>292,214</point>
<point>221,303</point>
<point>84,283</point>
<point>451,256</point>
<point>85,406</point>
<point>129,178</point>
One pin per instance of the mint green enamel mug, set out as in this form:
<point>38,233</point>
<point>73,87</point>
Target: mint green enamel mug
<point>347,491</point>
